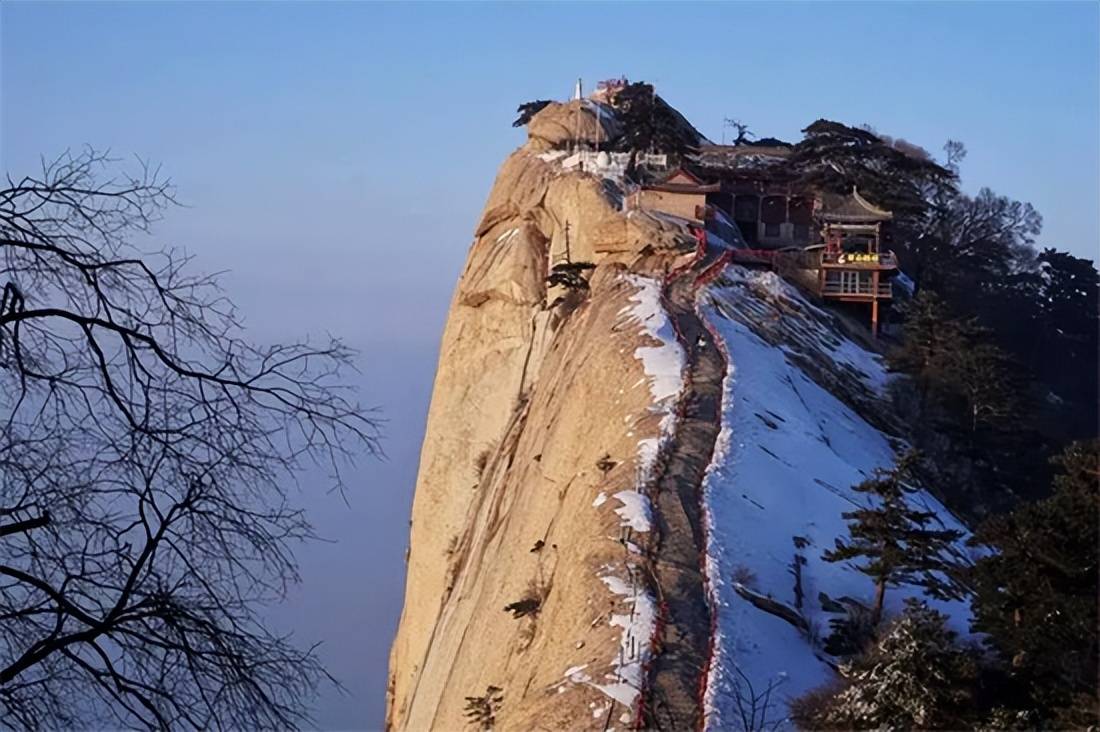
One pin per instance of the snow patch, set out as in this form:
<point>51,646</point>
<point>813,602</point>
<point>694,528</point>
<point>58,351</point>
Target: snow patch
<point>636,511</point>
<point>507,236</point>
<point>906,282</point>
<point>573,673</point>
<point>663,366</point>
<point>804,328</point>
<point>780,479</point>
<point>663,363</point>
<point>635,643</point>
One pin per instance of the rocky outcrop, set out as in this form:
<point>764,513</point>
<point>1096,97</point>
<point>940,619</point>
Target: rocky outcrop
<point>538,408</point>
<point>581,120</point>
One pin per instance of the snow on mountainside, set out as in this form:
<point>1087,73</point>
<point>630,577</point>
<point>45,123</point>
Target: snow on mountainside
<point>609,510</point>
<point>663,364</point>
<point>788,453</point>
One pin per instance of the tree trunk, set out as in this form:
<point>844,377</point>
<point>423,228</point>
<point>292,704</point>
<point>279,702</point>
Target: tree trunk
<point>632,163</point>
<point>880,597</point>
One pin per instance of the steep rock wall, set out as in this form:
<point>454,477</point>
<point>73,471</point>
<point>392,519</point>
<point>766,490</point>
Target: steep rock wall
<point>529,396</point>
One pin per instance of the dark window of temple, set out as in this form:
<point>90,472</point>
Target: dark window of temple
<point>771,230</point>
<point>723,201</point>
<point>801,232</point>
<point>801,211</point>
<point>748,231</point>
<point>773,210</point>
<point>746,208</point>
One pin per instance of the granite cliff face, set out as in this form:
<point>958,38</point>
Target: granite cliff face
<point>589,466</point>
<point>537,411</point>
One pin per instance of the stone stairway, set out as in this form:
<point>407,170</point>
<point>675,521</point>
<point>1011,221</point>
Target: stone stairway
<point>678,668</point>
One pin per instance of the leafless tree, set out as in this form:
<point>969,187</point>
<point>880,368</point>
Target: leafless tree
<point>146,453</point>
<point>749,709</point>
<point>742,129</point>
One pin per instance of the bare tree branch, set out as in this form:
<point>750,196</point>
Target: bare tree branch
<point>146,447</point>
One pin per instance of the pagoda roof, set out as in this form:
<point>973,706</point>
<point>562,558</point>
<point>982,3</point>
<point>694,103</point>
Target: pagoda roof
<point>682,180</point>
<point>682,175</point>
<point>851,208</point>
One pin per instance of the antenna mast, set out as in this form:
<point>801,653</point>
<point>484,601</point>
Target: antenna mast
<point>599,124</point>
<point>577,95</point>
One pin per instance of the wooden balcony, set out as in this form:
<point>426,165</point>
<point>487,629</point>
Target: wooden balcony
<point>860,284</point>
<point>856,290</point>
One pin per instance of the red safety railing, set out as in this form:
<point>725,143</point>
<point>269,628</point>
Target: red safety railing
<point>704,512</point>
<point>709,274</point>
<point>714,269</point>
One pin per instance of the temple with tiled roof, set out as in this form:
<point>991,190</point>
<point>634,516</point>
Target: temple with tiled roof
<point>839,235</point>
<point>854,267</point>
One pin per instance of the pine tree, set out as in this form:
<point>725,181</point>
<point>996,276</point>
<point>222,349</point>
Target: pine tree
<point>954,361</point>
<point>1036,595</point>
<point>915,677</point>
<point>527,110</point>
<point>980,373</point>
<point>1063,347</point>
<point>833,156</point>
<point>932,335</point>
<point>649,124</point>
<point>895,540</point>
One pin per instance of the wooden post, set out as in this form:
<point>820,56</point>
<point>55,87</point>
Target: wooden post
<point>786,213</point>
<point>874,303</point>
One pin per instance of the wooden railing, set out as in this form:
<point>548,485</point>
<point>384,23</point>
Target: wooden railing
<point>865,288</point>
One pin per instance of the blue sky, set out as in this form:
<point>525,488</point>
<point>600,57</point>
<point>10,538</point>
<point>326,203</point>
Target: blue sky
<point>334,158</point>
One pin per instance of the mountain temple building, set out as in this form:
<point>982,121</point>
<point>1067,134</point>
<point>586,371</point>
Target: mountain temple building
<point>834,240</point>
<point>853,266</point>
<point>681,194</point>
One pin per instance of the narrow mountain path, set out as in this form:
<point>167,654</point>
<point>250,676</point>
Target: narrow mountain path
<point>674,694</point>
